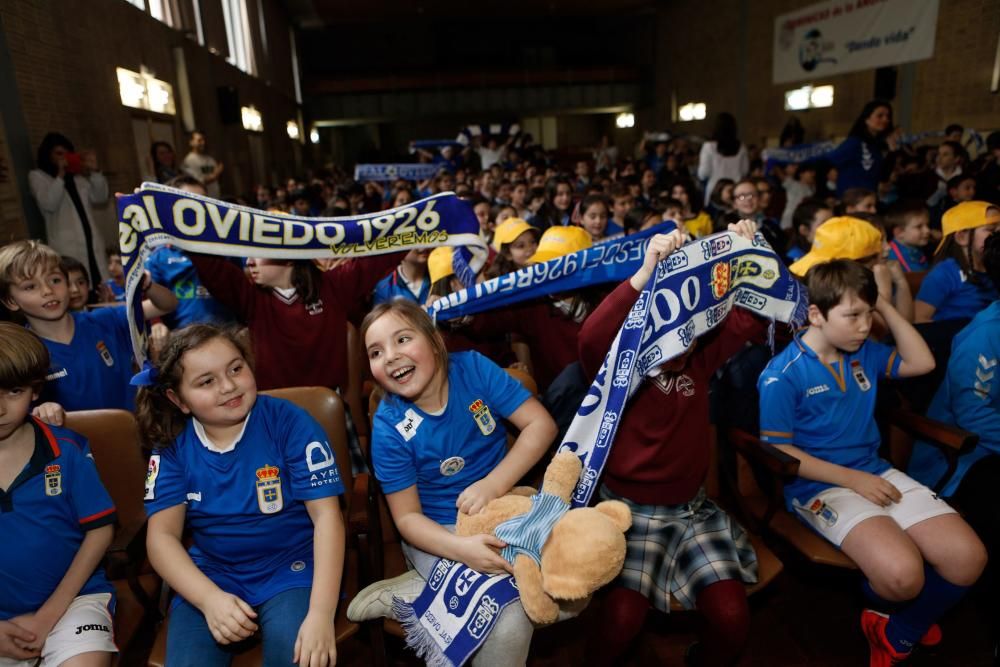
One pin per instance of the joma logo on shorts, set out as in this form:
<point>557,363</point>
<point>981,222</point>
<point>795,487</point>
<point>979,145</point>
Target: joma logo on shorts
<point>86,628</point>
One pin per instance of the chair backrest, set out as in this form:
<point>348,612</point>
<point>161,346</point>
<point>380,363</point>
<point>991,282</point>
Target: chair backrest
<point>358,371</point>
<point>326,407</point>
<point>914,279</point>
<point>121,461</point>
<point>525,379</point>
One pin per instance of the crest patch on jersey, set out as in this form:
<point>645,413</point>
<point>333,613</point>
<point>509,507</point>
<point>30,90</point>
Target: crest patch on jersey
<point>53,480</point>
<point>481,413</point>
<point>269,490</point>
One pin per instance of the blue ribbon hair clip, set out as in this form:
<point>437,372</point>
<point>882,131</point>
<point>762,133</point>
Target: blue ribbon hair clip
<point>147,377</point>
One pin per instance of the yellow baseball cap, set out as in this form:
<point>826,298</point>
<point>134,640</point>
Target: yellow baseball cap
<point>843,237</point>
<point>966,215</point>
<point>508,231</point>
<point>439,263</point>
<point>559,241</point>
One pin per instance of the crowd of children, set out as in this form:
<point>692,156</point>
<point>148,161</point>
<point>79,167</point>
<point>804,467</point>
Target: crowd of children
<point>889,257</point>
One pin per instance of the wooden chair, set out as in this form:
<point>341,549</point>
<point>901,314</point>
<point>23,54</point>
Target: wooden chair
<point>121,465</point>
<point>763,470</point>
<point>358,371</point>
<point>327,408</point>
<point>914,279</point>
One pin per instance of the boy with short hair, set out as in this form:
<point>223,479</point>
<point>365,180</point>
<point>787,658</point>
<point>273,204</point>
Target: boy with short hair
<point>78,281</point>
<point>621,203</point>
<point>113,289</point>
<point>91,352</point>
<point>908,223</point>
<point>817,403</point>
<point>56,603</point>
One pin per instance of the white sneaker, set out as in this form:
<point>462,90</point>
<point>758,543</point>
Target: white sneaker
<point>375,601</point>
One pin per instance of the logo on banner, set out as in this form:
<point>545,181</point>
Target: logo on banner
<point>813,50</point>
<point>481,618</point>
<point>757,270</point>
<point>624,369</point>
<point>720,279</point>
<point>269,490</point>
<point>440,573</point>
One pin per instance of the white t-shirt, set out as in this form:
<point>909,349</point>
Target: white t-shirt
<point>201,167</point>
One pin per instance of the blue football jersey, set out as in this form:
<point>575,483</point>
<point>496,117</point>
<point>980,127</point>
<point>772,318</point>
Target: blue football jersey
<point>253,536</point>
<point>444,453</point>
<point>826,411</point>
<point>171,268</point>
<point>93,370</point>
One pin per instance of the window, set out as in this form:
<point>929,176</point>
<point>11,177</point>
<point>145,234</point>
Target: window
<point>238,35</point>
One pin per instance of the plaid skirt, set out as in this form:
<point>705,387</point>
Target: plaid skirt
<point>678,550</point>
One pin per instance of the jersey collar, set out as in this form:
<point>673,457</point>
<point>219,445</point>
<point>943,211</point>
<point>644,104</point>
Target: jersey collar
<point>199,430</point>
<point>46,450</point>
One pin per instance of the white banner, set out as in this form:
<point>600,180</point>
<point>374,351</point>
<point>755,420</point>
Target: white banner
<point>849,35</point>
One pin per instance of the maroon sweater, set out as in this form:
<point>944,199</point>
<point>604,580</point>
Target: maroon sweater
<point>660,453</point>
<point>297,344</point>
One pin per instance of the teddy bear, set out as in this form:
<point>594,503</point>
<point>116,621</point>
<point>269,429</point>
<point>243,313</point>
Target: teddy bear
<point>560,555</point>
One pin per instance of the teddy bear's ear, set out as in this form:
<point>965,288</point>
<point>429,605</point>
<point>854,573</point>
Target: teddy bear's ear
<point>617,511</point>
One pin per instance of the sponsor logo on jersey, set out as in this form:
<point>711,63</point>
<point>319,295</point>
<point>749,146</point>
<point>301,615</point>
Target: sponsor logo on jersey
<point>269,490</point>
<point>53,480</point>
<point>818,389</point>
<point>481,413</point>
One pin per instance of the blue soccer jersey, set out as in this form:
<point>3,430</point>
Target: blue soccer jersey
<point>93,370</point>
<point>948,289</point>
<point>44,516</point>
<point>171,268</point>
<point>969,397</point>
<point>826,411</point>
<point>393,285</point>
<point>444,453</point>
<point>252,533</point>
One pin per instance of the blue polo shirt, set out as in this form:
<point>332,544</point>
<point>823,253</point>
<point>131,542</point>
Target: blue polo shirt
<point>245,505</point>
<point>393,285</point>
<point>826,411</point>
<point>93,370</point>
<point>443,454</point>
<point>948,289</point>
<point>969,397</point>
<point>171,268</point>
<point>44,516</point>
<point>910,258</point>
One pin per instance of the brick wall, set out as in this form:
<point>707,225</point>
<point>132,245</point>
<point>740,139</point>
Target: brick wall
<point>64,55</point>
<point>720,52</point>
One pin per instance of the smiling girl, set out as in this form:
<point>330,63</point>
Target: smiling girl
<point>238,469</point>
<point>439,446</point>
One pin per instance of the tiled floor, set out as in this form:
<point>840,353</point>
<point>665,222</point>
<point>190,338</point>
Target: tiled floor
<point>807,618</point>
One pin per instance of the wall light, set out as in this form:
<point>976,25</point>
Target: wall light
<point>131,88</point>
<point>692,111</point>
<point>292,127</point>
<point>142,90</point>
<point>252,119</point>
<point>809,97</point>
<point>314,135</point>
<point>624,120</point>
